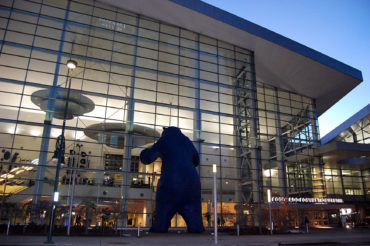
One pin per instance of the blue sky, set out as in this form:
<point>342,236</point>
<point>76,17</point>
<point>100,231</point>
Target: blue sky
<point>337,28</point>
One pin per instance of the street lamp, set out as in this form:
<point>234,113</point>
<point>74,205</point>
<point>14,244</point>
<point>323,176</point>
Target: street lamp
<point>269,202</point>
<point>215,199</point>
<point>59,153</point>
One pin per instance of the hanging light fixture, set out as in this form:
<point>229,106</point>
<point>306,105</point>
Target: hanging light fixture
<point>71,64</point>
<point>78,104</point>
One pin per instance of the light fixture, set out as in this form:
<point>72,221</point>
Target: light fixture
<point>19,171</point>
<point>71,64</point>
<point>14,169</point>
<point>268,195</point>
<point>10,176</point>
<point>214,169</point>
<point>270,217</point>
<point>56,196</point>
<point>35,161</point>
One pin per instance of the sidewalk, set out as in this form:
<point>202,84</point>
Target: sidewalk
<point>322,237</point>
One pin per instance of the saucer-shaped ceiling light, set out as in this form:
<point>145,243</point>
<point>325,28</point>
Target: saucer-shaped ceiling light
<point>78,104</point>
<point>113,134</point>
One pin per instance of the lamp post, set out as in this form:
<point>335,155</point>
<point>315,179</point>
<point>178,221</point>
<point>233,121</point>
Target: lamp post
<point>215,199</point>
<point>59,153</point>
<point>269,202</point>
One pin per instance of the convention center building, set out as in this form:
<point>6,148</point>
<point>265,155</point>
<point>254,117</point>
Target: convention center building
<point>86,85</point>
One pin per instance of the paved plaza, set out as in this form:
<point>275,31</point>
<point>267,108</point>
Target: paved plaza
<point>316,237</point>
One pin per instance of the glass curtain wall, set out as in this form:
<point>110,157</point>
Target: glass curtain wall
<point>135,76</point>
<point>347,182</point>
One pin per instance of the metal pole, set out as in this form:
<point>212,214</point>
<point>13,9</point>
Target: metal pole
<point>71,201</point>
<point>55,194</point>
<point>60,156</point>
<point>269,201</point>
<point>74,161</point>
<point>215,200</point>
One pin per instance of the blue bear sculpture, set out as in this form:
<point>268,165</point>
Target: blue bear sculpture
<point>178,189</point>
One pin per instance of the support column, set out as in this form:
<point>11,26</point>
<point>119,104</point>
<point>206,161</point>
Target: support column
<point>247,130</point>
<point>129,135</point>
<point>255,148</point>
<point>314,122</point>
<point>280,148</point>
<point>149,212</point>
<point>197,114</point>
<point>341,181</point>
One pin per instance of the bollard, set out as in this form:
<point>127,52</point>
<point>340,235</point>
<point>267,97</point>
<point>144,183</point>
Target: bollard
<point>7,230</point>
<point>272,226</point>
<point>138,230</point>
<point>237,230</point>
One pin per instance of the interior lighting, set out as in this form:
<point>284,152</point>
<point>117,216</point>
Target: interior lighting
<point>327,172</point>
<point>28,168</point>
<point>19,171</point>
<point>11,130</point>
<point>270,172</point>
<point>71,64</point>
<point>79,135</point>
<point>14,169</point>
<point>10,176</point>
<point>35,133</point>
<point>345,211</point>
<point>55,134</point>
<point>267,173</point>
<point>35,161</point>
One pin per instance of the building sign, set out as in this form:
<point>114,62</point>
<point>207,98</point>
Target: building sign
<point>112,24</point>
<point>306,199</point>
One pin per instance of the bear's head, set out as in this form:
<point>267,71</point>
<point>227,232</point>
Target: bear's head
<point>171,131</point>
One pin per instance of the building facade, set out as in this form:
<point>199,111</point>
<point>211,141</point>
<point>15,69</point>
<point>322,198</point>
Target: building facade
<point>135,75</point>
<point>345,152</point>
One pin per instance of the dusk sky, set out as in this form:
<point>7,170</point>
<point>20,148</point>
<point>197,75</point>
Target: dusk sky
<point>337,28</point>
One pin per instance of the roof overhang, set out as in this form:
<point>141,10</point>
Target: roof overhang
<point>354,121</point>
<point>344,154</point>
<point>279,61</point>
